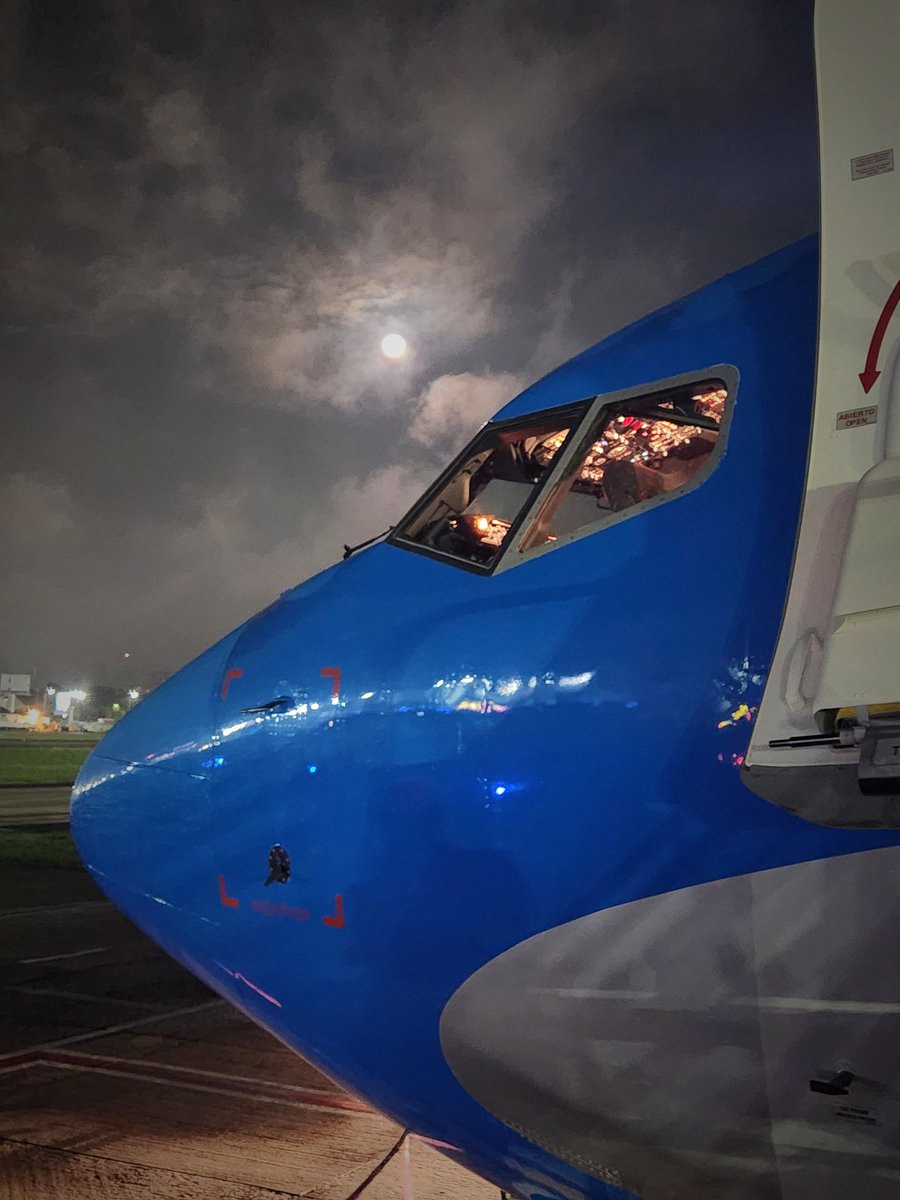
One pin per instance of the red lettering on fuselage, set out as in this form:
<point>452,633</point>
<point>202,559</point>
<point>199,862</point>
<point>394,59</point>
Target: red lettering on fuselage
<point>291,912</point>
<point>268,909</point>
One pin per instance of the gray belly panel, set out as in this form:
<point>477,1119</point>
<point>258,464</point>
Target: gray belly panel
<point>668,1044</point>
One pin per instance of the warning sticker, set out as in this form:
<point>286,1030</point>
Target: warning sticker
<point>852,417</point>
<point>851,1112</point>
<point>867,165</point>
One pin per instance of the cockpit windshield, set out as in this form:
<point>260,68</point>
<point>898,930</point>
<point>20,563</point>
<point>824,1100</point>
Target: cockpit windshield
<point>531,483</point>
<point>642,450</point>
<point>471,515</point>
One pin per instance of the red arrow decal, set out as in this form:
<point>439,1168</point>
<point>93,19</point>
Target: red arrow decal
<point>871,373</point>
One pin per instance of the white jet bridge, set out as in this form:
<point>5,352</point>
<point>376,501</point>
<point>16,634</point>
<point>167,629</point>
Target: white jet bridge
<point>826,742</point>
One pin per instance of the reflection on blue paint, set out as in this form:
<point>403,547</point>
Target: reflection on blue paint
<point>438,880</point>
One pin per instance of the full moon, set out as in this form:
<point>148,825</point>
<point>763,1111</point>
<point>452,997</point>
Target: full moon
<point>393,345</point>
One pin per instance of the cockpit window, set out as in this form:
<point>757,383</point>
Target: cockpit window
<point>636,451</point>
<point>471,514</point>
<point>530,484</point>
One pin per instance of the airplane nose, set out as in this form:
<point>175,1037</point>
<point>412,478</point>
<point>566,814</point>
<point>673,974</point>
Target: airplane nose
<point>140,804</point>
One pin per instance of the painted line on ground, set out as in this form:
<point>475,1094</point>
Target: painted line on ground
<point>27,962</point>
<point>190,1078</point>
<point>89,997</point>
<point>62,910</point>
<point>109,1030</point>
<point>204,1073</point>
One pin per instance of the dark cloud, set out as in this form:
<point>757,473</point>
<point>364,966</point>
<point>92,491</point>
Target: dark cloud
<point>213,213</point>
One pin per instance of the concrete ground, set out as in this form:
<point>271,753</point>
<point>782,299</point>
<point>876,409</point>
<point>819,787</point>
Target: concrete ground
<point>34,806</point>
<point>121,1076</point>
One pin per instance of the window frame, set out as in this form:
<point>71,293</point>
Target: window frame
<point>585,415</point>
<point>574,412</point>
<point>611,403</point>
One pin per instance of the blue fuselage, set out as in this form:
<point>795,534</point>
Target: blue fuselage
<point>458,762</point>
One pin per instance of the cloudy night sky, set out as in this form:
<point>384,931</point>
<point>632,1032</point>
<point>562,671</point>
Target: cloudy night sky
<point>213,213</point>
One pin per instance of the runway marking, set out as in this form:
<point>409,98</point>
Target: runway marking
<point>108,1030</point>
<point>92,998</point>
<point>192,1078</point>
<point>87,906</point>
<point>57,957</point>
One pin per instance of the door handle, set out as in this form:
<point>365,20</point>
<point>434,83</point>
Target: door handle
<point>270,705</point>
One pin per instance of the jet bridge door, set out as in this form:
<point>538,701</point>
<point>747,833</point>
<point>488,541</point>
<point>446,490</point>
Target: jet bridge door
<point>824,743</point>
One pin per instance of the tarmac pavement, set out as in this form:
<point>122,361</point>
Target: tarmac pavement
<point>121,1076</point>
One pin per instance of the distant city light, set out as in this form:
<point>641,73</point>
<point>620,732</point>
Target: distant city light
<point>78,694</point>
<point>393,345</point>
<point>134,693</point>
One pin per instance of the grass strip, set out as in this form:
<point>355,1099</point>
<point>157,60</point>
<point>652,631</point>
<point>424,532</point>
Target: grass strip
<point>54,848</point>
<point>42,763</point>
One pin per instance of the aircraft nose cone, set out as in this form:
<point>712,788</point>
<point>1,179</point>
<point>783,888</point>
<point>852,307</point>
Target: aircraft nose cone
<point>140,805</point>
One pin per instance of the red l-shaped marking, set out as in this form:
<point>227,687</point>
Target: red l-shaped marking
<point>335,674</point>
<point>337,921</point>
<point>224,898</point>
<point>233,673</point>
